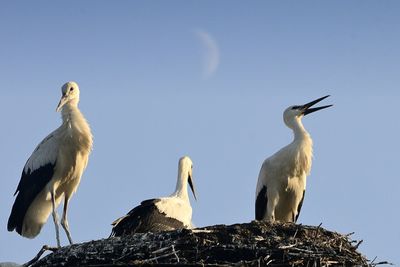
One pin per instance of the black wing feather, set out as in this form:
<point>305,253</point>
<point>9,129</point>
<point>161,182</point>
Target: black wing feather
<point>145,218</point>
<point>261,203</point>
<point>30,185</point>
<point>299,206</point>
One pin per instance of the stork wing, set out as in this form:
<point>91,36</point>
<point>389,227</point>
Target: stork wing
<point>299,206</point>
<point>262,191</point>
<point>144,218</point>
<point>38,171</point>
<point>45,153</point>
<point>261,203</point>
<point>129,223</point>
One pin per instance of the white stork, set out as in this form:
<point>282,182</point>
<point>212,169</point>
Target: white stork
<point>282,179</point>
<point>53,171</point>
<point>161,214</point>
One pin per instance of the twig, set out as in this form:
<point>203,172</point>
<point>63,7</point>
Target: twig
<point>160,250</point>
<point>266,259</point>
<point>196,231</point>
<point>380,263</point>
<point>295,233</point>
<point>305,250</point>
<point>286,247</point>
<point>161,256</point>
<point>259,238</point>
<point>317,230</point>
<point>349,234</point>
<point>330,262</point>
<point>372,262</point>
<point>176,255</point>
<point>358,244</point>
<point>37,257</point>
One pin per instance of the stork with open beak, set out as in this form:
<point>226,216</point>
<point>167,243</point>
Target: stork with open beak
<point>282,180</point>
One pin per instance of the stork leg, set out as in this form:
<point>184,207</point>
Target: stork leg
<point>273,198</point>
<point>55,217</point>
<point>64,220</point>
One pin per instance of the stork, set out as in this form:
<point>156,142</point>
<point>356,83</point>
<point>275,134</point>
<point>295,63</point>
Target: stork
<point>161,214</point>
<point>282,178</point>
<point>53,171</point>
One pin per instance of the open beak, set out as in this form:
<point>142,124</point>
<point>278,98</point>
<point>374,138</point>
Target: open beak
<point>62,102</point>
<point>190,180</point>
<point>307,107</point>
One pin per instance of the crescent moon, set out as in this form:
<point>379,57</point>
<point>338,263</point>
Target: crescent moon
<point>211,56</point>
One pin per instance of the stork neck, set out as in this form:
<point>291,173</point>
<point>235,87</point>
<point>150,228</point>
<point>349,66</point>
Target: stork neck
<point>76,127</point>
<point>69,111</point>
<point>299,131</point>
<point>181,187</point>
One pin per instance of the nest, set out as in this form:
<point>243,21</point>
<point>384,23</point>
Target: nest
<point>250,244</point>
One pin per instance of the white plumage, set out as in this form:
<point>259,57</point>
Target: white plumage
<point>53,171</point>
<point>282,180</point>
<point>161,214</point>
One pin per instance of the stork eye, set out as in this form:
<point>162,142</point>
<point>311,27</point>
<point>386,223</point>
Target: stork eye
<point>295,107</point>
<point>71,89</point>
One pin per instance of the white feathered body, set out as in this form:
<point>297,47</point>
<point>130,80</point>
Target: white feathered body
<point>285,175</point>
<point>68,147</point>
<point>176,208</point>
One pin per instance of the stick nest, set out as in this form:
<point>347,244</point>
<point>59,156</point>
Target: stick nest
<point>249,244</point>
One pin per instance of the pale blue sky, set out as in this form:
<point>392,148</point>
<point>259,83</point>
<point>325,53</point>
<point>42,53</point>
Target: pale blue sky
<point>140,67</point>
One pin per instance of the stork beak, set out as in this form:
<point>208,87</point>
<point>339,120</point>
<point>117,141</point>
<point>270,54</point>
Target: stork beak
<point>62,102</point>
<point>190,180</point>
<point>307,107</point>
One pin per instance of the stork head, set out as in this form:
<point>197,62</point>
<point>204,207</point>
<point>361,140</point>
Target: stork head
<point>294,113</point>
<point>185,172</point>
<point>70,93</point>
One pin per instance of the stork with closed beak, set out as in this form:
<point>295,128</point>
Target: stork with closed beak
<point>282,179</point>
<point>53,171</point>
<point>161,214</point>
